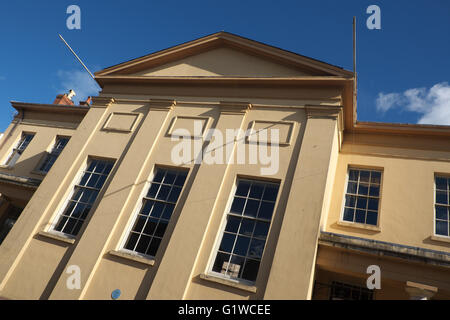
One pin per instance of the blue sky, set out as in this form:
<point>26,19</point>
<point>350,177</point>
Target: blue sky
<point>403,69</point>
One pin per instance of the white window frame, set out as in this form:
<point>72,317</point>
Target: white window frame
<point>445,176</point>
<point>54,220</point>
<point>49,151</point>
<point>138,207</point>
<point>11,162</point>
<point>223,224</point>
<point>362,168</point>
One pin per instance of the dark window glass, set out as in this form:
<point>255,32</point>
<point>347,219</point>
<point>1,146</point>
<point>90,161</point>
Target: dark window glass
<point>442,207</point>
<point>362,196</point>
<point>157,208</point>
<point>84,195</point>
<point>243,241</point>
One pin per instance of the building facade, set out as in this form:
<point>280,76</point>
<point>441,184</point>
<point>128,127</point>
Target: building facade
<point>165,187</point>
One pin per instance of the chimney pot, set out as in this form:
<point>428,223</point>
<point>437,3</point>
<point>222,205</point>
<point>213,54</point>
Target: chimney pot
<point>71,94</point>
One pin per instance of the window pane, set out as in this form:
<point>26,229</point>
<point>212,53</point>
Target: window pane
<point>235,266</point>
<point>372,218</point>
<point>441,197</point>
<point>349,214</point>
<point>161,228</point>
<point>166,187</point>
<point>442,228</point>
<point>179,181</point>
<point>143,243</point>
<point>159,175</point>
<point>251,208</point>
<point>352,187</point>
<point>232,224</point>
<point>261,229</point>
<point>167,213</point>
<point>364,176</point>
<point>366,184</point>
<point>375,177</point>
<point>139,224</point>
<point>247,227</point>
<point>227,242</point>
<point>245,237</point>
<point>250,270</point>
<point>153,190</point>
<point>361,203</point>
<point>132,241</point>
<point>153,248</point>
<point>150,226</point>
<point>256,191</point>
<point>363,189</point>
<point>270,193</point>
<point>256,248</point>
<point>241,246</point>
<point>62,221</point>
<point>243,188</point>
<point>350,201</point>
<point>170,177</point>
<point>93,180</point>
<point>441,213</point>
<point>163,192</point>
<point>441,183</point>
<point>373,204</point>
<point>266,210</point>
<point>99,167</point>
<point>157,210</point>
<point>219,263</point>
<point>353,175</point>
<point>173,197</point>
<point>374,191</point>
<point>238,205</point>
<point>147,207</point>
<point>360,216</point>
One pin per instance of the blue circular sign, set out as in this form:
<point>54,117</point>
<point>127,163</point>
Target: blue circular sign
<point>115,294</point>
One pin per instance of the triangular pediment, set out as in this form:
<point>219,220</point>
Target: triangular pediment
<point>223,62</point>
<point>224,55</point>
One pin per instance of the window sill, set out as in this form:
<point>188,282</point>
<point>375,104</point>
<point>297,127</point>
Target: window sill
<point>359,226</point>
<point>57,237</point>
<point>229,283</point>
<point>132,257</point>
<point>440,238</point>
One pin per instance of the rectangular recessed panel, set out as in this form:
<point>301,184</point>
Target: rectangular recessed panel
<point>264,131</point>
<point>123,122</point>
<point>190,127</point>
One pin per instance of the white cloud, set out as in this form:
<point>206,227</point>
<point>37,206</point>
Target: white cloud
<point>79,81</point>
<point>433,104</point>
<point>387,101</point>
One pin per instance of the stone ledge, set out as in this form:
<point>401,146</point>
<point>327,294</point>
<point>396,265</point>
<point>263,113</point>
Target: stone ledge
<point>358,226</point>
<point>132,257</point>
<point>56,237</point>
<point>18,180</point>
<point>229,283</point>
<point>440,239</point>
<point>382,248</point>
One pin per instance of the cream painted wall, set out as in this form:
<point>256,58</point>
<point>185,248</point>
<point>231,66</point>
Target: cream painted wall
<point>406,214</point>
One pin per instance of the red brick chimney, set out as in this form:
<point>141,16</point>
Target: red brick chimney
<point>87,102</point>
<point>65,98</point>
